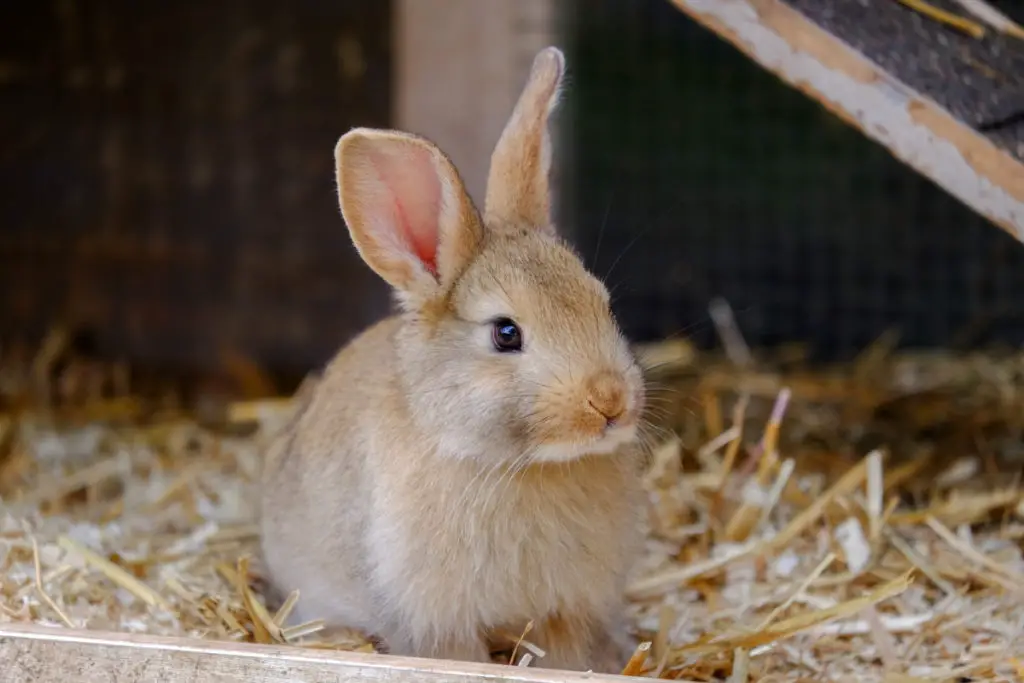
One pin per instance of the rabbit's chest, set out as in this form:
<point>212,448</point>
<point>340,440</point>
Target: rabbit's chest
<point>552,558</point>
<point>518,553</point>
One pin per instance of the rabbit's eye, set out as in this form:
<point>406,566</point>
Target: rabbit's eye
<point>506,336</point>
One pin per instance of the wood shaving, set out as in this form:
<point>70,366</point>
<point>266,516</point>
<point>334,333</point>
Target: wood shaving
<point>860,522</point>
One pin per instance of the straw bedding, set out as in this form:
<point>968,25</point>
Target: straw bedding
<point>857,522</point>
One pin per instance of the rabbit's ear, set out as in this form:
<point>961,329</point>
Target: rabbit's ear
<point>518,192</point>
<point>407,210</point>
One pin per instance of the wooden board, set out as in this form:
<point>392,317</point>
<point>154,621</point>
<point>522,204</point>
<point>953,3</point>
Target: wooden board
<point>978,79</point>
<point>912,126</point>
<point>44,655</point>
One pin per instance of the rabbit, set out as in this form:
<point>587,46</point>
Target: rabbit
<point>470,464</point>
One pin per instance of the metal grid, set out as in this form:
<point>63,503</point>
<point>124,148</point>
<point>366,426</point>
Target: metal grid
<point>696,174</point>
<point>168,178</point>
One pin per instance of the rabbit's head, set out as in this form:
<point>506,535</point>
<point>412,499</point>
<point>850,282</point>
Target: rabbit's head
<point>508,350</point>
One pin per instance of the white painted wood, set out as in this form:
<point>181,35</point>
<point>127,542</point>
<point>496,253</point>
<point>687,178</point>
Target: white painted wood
<point>460,65</point>
<point>912,127</point>
<point>38,654</point>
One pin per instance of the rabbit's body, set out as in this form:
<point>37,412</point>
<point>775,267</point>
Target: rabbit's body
<point>453,547</point>
<point>454,473</point>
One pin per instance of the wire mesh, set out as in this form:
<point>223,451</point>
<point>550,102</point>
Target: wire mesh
<point>168,177</point>
<point>694,174</point>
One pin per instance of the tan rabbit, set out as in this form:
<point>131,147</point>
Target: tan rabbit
<point>469,464</point>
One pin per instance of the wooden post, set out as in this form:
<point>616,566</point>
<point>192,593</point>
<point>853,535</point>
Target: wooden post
<point>460,65</point>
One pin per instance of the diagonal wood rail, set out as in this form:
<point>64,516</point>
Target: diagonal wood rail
<point>913,127</point>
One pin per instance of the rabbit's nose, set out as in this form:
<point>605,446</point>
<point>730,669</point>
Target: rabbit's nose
<point>606,393</point>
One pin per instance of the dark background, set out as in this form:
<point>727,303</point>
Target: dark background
<point>168,187</point>
<point>167,174</point>
<point>712,178</point>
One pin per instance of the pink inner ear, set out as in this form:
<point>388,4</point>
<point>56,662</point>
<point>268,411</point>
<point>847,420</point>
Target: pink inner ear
<point>411,176</point>
<point>422,239</point>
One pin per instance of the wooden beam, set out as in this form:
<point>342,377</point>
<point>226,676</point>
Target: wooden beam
<point>912,127</point>
<point>40,654</point>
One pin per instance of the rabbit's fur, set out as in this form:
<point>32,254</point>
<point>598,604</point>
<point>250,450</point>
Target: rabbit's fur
<point>431,490</point>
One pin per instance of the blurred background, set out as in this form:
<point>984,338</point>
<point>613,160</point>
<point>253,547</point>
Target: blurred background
<point>168,193</point>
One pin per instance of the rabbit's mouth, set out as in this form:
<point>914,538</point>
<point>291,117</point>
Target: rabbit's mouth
<point>613,438</point>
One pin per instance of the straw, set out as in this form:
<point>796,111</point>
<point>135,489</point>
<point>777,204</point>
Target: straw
<point>876,525</point>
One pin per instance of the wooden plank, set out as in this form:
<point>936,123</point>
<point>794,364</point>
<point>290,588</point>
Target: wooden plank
<point>911,126</point>
<point>39,654</point>
<point>979,79</point>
